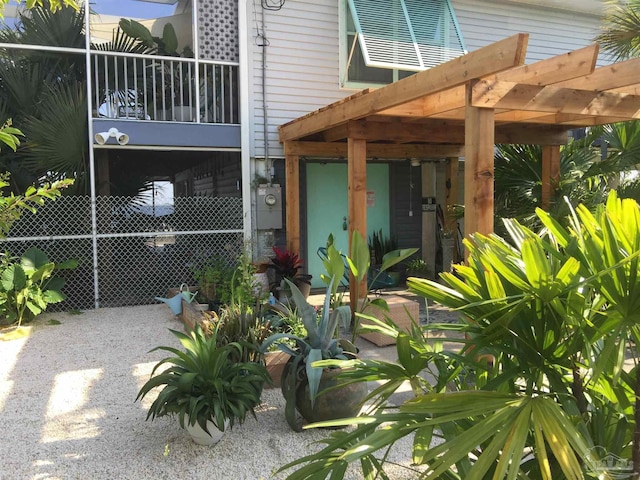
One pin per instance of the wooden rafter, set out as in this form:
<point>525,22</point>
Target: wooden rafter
<point>568,66</point>
<point>552,99</point>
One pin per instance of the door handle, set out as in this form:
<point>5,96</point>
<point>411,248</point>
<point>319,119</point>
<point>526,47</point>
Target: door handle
<point>344,224</point>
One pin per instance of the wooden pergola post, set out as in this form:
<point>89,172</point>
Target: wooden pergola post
<point>292,179</point>
<point>478,168</point>
<point>550,173</point>
<point>357,172</point>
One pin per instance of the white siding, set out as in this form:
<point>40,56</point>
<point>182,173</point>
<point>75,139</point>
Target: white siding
<point>302,66</point>
<point>303,51</point>
<point>551,31</point>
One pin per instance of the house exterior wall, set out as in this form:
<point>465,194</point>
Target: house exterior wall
<point>303,52</point>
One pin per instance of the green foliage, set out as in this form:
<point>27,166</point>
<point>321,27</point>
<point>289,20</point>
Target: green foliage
<point>417,267</point>
<point>239,323</point>
<point>359,261</point>
<point>214,277</point>
<point>244,285</point>
<point>585,176</point>
<point>204,382</point>
<point>379,246</point>
<point>28,285</point>
<point>557,315</point>
<point>167,45</point>
<point>13,206</point>
<point>42,93</point>
<point>9,135</point>
<point>53,5</point>
<point>620,36</point>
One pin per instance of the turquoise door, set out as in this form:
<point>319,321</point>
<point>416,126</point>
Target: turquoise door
<point>328,212</point>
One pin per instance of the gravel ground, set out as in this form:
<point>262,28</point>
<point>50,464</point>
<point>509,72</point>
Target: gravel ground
<point>67,408</point>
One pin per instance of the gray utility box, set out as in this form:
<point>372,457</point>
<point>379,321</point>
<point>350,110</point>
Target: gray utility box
<point>269,208</point>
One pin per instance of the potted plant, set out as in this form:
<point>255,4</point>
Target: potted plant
<point>281,318</point>
<point>205,386</point>
<point>214,277</point>
<point>317,393</point>
<point>379,246</point>
<point>417,267</point>
<point>286,266</point>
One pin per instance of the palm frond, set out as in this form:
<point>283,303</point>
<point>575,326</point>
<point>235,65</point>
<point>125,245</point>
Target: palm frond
<point>621,30</point>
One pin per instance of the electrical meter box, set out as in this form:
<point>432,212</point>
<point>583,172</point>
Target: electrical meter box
<point>269,207</point>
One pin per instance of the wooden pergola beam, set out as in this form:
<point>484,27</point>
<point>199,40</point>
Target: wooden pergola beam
<point>559,119</point>
<point>377,150</point>
<point>496,57</point>
<point>441,132</point>
<point>610,77</point>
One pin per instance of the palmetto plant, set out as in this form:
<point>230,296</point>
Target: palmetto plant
<point>586,176</point>
<point>557,314</point>
<point>621,29</point>
<point>204,382</point>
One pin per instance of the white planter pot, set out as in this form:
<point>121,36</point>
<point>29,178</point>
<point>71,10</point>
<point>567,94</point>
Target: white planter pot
<point>199,436</point>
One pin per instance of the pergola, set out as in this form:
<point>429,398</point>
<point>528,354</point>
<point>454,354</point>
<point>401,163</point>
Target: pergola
<point>462,108</point>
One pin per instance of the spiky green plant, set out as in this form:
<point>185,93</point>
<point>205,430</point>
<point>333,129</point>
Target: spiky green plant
<point>204,383</point>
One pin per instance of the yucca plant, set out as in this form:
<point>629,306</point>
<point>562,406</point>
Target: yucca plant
<point>204,383</point>
<point>539,388</point>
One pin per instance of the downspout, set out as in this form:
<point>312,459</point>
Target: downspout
<point>245,153</point>
<point>265,116</point>
<point>92,167</point>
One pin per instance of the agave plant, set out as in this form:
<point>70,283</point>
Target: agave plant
<point>321,342</point>
<point>204,383</point>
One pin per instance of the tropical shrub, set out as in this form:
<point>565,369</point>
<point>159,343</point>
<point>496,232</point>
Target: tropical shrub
<point>28,285</point>
<point>539,388</point>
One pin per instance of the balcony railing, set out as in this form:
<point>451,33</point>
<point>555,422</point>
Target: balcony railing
<point>142,87</point>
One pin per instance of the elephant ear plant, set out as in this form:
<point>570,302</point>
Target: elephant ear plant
<point>205,382</point>
<point>28,284</point>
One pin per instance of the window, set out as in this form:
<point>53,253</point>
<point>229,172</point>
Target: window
<point>386,40</point>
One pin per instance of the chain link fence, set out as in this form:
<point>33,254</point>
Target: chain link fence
<point>141,250</point>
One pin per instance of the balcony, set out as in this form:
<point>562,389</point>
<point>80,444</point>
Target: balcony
<point>164,89</point>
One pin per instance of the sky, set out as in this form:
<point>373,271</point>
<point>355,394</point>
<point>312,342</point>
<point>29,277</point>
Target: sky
<point>127,8</point>
<point>132,8</point>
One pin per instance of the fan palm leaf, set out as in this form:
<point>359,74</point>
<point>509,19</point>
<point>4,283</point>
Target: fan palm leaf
<point>620,35</point>
<point>57,134</point>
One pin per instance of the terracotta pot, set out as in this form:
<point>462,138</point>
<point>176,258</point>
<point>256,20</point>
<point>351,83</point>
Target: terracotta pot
<point>275,363</point>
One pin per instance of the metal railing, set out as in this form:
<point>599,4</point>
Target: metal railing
<point>143,87</point>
